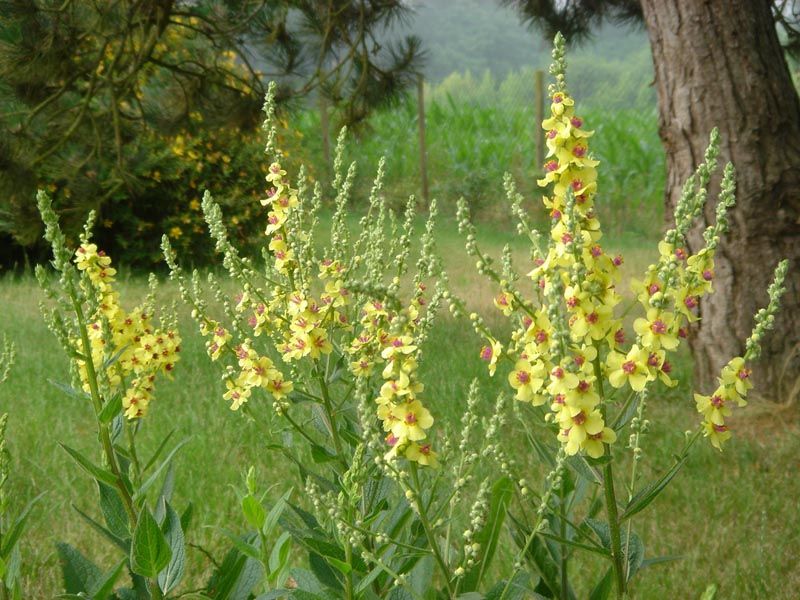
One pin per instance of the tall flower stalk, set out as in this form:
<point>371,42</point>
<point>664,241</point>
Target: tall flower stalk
<point>569,349</point>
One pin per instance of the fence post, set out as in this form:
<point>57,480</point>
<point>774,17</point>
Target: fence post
<point>423,156</point>
<point>538,133</point>
<point>326,131</point>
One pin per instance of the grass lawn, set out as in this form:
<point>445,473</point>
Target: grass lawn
<point>731,516</point>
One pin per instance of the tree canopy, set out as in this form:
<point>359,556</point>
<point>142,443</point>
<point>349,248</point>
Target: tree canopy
<point>85,87</point>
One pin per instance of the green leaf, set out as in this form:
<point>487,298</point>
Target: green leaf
<point>574,544</point>
<point>116,356</point>
<point>489,534</point>
<point>79,572</point>
<point>140,493</point>
<point>599,461</point>
<point>168,486</point>
<point>275,512</point>
<point>279,556</point>
<point>323,572</point>
<point>186,516</point>
<point>242,545</point>
<point>604,587</point>
<point>254,512</point>
<point>308,582</point>
<point>276,594</point>
<point>518,589</point>
<point>69,390</point>
<point>113,511</point>
<point>320,454</point>
<point>538,555</point>
<point>123,545</point>
<point>645,496</point>
<point>635,548</point>
<point>635,553</point>
<point>578,464</point>
<point>11,537</point>
<point>92,469</point>
<point>158,451</point>
<point>236,577</point>
<point>103,587</point>
<point>340,565</point>
<point>110,409</point>
<point>172,574</point>
<point>150,551</point>
<point>602,530</point>
<point>625,417</point>
<point>421,576</point>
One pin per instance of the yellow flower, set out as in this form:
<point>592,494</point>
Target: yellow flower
<point>562,381</point>
<point>656,330</point>
<point>491,353</point>
<point>561,102</point>
<point>318,343</point>
<point>411,419</point>
<point>278,387</point>
<point>583,397</point>
<point>504,302</point>
<point>713,408</point>
<point>736,375</point>
<point>631,369</point>
<point>576,429</point>
<point>593,445</point>
<point>236,394</point>
<point>717,434</point>
<point>422,454</point>
<point>398,346</point>
<point>362,367</point>
<point>527,379</point>
<point>591,322</point>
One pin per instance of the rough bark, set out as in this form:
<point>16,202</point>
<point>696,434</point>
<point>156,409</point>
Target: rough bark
<point>719,63</point>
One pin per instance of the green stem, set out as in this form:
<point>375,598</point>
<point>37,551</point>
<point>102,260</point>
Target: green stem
<point>155,591</point>
<point>348,579</point>
<point>613,526</point>
<point>564,550</point>
<point>326,399</point>
<point>610,496</point>
<point>137,469</point>
<point>536,526</point>
<point>97,402</point>
<point>426,526</point>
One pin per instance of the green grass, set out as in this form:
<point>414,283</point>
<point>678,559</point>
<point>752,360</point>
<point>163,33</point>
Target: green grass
<point>732,516</point>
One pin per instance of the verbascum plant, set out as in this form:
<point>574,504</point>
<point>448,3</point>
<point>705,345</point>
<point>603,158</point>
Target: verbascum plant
<point>324,313</point>
<point>569,349</point>
<point>116,356</point>
<point>321,345</point>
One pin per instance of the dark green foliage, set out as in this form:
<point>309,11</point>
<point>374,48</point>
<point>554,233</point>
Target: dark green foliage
<point>97,97</point>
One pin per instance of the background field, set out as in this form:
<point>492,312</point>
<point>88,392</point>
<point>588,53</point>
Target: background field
<point>730,516</point>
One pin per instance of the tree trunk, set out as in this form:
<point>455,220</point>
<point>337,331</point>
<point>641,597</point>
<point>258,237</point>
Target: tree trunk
<point>719,63</point>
